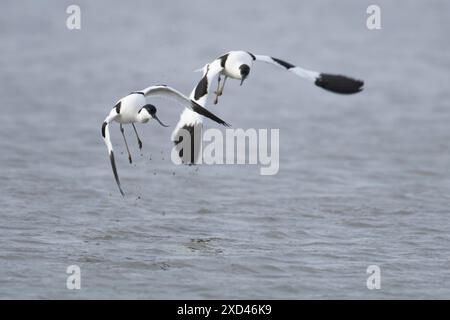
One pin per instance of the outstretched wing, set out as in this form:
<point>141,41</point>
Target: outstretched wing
<point>106,137</point>
<point>170,93</point>
<point>334,83</point>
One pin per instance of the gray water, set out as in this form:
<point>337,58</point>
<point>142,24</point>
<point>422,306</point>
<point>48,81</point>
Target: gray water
<point>363,180</point>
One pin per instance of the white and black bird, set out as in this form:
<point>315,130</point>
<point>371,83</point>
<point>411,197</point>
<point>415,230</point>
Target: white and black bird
<point>238,64</point>
<point>134,108</point>
<point>192,123</point>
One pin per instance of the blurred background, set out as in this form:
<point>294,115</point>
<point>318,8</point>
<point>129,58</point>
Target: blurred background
<point>363,180</point>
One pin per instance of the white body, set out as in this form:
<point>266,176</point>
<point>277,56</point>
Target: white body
<point>129,110</point>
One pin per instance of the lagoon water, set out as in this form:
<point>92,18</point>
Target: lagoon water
<point>363,180</point>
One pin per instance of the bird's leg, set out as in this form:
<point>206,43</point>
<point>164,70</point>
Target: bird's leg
<point>126,144</point>
<point>223,85</point>
<point>217,92</point>
<point>139,140</point>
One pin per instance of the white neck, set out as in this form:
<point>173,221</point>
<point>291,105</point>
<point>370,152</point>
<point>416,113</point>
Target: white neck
<point>143,116</point>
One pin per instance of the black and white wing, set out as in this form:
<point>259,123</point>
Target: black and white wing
<point>106,137</point>
<point>331,82</point>
<point>170,93</point>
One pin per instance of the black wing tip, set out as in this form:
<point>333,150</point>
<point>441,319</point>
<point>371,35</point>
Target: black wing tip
<point>116,176</point>
<point>220,121</point>
<point>339,84</point>
<point>121,191</point>
<point>208,114</point>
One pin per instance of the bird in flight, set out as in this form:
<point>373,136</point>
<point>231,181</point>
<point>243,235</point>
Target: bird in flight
<point>238,64</point>
<point>134,108</point>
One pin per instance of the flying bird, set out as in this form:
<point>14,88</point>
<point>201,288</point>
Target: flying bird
<point>192,123</point>
<point>238,64</point>
<point>134,108</point>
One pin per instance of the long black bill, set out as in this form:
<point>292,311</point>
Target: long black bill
<point>157,119</point>
<point>116,176</point>
<point>243,79</point>
<point>339,84</point>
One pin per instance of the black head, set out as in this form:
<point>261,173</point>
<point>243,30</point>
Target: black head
<point>245,70</point>
<point>151,109</point>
